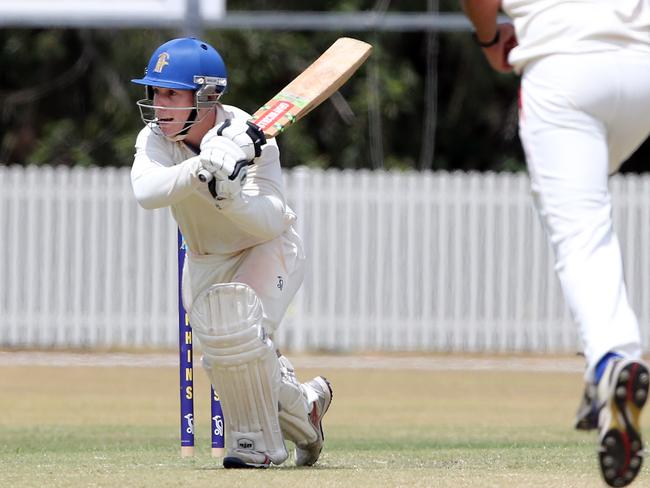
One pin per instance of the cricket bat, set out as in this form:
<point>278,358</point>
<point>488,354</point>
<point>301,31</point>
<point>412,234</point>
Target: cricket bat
<point>311,87</point>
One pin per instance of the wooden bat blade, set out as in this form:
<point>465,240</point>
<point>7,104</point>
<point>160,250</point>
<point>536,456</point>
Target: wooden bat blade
<point>314,85</point>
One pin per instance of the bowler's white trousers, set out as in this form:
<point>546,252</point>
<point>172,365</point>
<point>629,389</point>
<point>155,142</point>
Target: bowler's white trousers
<point>581,116</point>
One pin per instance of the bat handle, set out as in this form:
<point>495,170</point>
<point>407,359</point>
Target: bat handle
<point>205,176</point>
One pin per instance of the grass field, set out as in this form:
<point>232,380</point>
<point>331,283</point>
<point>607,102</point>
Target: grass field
<point>102,427</point>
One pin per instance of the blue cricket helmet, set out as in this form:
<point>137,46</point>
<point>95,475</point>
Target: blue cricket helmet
<point>186,64</point>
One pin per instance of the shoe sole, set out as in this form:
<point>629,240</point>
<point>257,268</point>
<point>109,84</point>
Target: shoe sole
<point>231,462</point>
<point>621,451</point>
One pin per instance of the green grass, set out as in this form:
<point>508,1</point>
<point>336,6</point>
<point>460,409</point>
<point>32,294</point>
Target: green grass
<point>104,427</point>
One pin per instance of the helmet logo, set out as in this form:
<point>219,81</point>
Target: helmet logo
<point>162,62</point>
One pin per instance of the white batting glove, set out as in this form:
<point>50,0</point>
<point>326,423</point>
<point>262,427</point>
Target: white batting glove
<point>226,191</point>
<point>223,167</point>
<point>246,135</point>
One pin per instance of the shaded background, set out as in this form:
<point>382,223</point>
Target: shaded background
<point>424,100</point>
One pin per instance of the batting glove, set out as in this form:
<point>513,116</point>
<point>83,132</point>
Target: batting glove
<point>223,167</point>
<point>246,135</point>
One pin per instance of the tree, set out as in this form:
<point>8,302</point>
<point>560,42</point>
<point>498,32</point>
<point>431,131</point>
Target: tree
<point>66,96</point>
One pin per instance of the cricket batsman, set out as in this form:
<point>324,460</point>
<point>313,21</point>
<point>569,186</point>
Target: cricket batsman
<point>223,183</point>
<point>584,109</point>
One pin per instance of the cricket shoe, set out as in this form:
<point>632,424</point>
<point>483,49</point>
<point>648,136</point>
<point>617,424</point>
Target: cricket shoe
<point>587,415</point>
<point>308,455</point>
<point>622,393</point>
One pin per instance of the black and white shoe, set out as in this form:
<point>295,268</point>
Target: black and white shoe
<point>622,392</point>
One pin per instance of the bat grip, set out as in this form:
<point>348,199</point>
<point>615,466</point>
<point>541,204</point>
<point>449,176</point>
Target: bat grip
<point>204,176</point>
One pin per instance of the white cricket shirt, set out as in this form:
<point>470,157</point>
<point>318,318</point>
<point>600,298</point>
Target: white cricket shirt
<point>546,27</point>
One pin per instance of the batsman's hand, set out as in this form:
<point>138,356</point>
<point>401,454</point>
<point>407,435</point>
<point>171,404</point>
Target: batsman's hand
<point>223,167</point>
<point>246,135</point>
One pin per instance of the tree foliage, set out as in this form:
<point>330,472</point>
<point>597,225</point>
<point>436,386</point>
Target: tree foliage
<point>421,101</point>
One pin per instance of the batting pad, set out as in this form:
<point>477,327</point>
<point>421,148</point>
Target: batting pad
<point>242,366</point>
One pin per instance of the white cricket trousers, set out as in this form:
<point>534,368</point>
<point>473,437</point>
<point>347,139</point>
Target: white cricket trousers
<point>581,116</point>
<point>274,269</point>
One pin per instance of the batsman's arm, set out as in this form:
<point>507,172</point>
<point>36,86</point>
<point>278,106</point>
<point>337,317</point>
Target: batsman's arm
<point>158,186</point>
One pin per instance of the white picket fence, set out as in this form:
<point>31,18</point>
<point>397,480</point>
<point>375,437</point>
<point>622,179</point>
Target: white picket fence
<point>397,261</point>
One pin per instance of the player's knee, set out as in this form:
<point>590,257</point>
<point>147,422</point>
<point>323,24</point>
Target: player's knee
<point>227,319</point>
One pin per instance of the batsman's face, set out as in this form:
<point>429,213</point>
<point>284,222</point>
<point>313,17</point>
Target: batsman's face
<point>173,107</point>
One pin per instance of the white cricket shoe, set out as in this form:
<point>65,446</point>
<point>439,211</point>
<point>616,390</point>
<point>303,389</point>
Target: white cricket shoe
<point>308,455</point>
<point>622,393</point>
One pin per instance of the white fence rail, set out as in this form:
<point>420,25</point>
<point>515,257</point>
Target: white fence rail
<point>397,261</point>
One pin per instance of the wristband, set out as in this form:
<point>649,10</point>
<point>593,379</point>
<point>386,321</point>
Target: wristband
<point>489,43</point>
